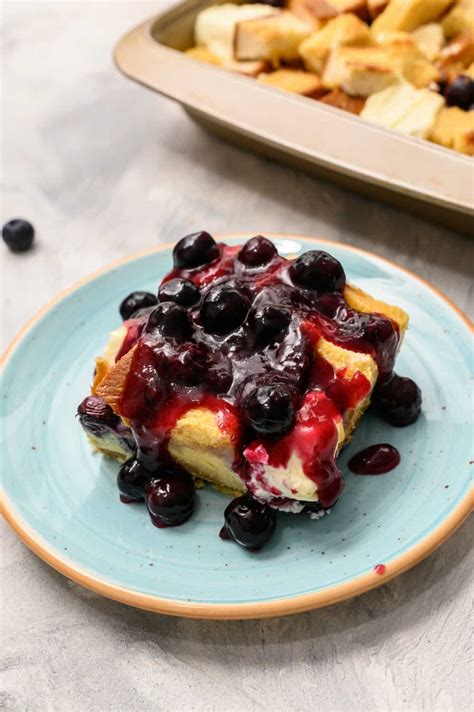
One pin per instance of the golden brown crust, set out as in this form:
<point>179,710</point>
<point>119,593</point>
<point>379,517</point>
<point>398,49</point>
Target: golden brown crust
<point>112,386</point>
<point>341,100</point>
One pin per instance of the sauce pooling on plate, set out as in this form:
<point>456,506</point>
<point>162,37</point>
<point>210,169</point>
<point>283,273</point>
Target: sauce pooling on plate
<point>375,460</point>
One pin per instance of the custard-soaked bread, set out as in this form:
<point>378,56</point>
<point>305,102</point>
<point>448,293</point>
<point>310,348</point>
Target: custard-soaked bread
<point>275,38</point>
<point>409,14</point>
<point>208,452</point>
<point>340,100</point>
<point>344,30</point>
<point>294,80</point>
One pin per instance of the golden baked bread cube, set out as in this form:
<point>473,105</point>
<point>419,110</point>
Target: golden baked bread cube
<point>408,14</point>
<point>459,51</point>
<point>343,30</point>
<point>406,57</point>
<point>454,128</point>
<point>359,71</point>
<point>376,7</point>
<point>293,80</point>
<point>430,39</point>
<point>469,72</point>
<point>215,26</point>
<point>459,19</point>
<point>249,69</point>
<point>340,100</point>
<point>404,108</point>
<point>202,54</point>
<point>304,10</point>
<point>275,38</point>
<point>327,9</point>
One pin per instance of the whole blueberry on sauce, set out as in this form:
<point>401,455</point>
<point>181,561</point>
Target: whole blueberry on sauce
<point>248,522</point>
<point>195,250</point>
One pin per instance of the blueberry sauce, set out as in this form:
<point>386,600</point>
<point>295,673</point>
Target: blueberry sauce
<point>375,460</point>
<point>235,332</point>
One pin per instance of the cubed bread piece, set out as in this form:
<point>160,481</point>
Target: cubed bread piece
<point>404,108</point>
<point>249,69</point>
<point>343,30</point>
<point>275,38</point>
<point>459,19</point>
<point>420,119</point>
<point>327,9</point>
<point>409,14</point>
<point>459,51</point>
<point>469,72</point>
<point>303,10</point>
<point>430,39</point>
<point>376,7</point>
<point>454,128</point>
<point>294,80</point>
<point>215,26</point>
<point>407,58</point>
<point>340,100</point>
<point>359,71</point>
<point>202,54</point>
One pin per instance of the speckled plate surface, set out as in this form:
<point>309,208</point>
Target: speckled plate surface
<point>62,500</point>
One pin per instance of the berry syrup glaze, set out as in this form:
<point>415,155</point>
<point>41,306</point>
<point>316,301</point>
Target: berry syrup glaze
<point>234,331</point>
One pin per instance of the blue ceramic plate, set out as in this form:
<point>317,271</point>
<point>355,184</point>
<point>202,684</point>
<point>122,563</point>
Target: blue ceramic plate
<point>62,500</point>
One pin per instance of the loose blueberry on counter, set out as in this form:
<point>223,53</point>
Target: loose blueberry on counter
<point>170,498</point>
<point>170,320</point>
<point>319,271</point>
<point>136,301</point>
<point>257,252</point>
<point>18,235</point>
<point>95,414</point>
<point>223,310</point>
<point>397,400</point>
<point>132,479</point>
<point>195,250</point>
<point>180,291</point>
<point>248,522</point>
<point>269,409</point>
<point>269,325</point>
<point>460,92</point>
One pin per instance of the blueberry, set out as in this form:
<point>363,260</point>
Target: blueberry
<point>248,522</point>
<point>319,271</point>
<point>397,400</point>
<point>170,320</point>
<point>379,330</point>
<point>269,409</point>
<point>223,310</point>
<point>96,415</point>
<point>180,291</point>
<point>18,235</point>
<point>136,301</point>
<point>170,497</point>
<point>132,479</point>
<point>269,325</point>
<point>460,92</point>
<point>195,250</point>
<point>257,251</point>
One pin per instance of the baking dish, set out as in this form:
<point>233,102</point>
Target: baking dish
<point>413,173</point>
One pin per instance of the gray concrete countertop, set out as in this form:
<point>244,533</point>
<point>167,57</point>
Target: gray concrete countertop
<point>103,169</point>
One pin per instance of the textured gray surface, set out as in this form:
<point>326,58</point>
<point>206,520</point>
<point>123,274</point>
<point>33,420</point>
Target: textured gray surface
<point>104,168</point>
